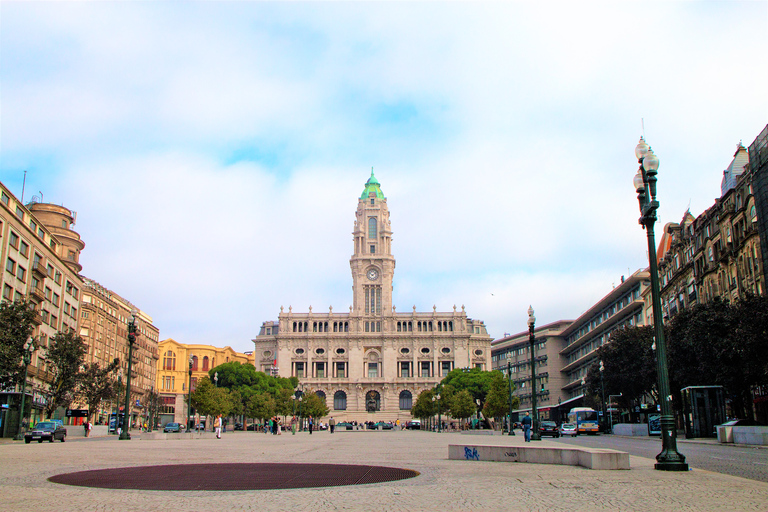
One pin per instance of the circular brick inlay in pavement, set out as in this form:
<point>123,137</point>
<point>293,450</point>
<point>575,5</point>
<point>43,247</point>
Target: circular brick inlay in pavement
<point>232,477</point>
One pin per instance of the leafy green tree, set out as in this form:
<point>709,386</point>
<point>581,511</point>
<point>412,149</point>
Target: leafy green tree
<point>96,385</point>
<point>497,400</point>
<point>424,407</point>
<point>152,401</point>
<point>283,402</point>
<point>260,406</point>
<point>629,367</point>
<point>65,356</point>
<point>313,405</point>
<point>463,405</point>
<point>236,400</point>
<point>210,400</point>
<point>16,327</point>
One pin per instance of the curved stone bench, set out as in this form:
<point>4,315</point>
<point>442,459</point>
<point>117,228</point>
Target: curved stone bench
<point>592,458</point>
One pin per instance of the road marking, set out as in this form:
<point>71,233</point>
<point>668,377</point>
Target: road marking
<point>721,458</point>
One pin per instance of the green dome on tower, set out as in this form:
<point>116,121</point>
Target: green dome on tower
<point>372,185</point>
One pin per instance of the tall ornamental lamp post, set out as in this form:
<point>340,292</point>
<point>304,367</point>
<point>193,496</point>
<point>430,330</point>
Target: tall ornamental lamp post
<point>669,459</point>
<point>216,379</point>
<point>602,393</point>
<point>511,431</point>
<point>301,421</point>
<point>535,436</point>
<point>26,356</point>
<point>293,415</point>
<point>189,395</point>
<point>125,435</point>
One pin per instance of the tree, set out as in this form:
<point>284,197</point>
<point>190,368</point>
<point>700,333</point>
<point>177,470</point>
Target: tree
<point>260,406</point>
<point>16,327</point>
<point>283,402</point>
<point>463,405</point>
<point>96,384</point>
<point>65,356</point>
<point>210,400</point>
<point>424,407</point>
<point>497,400</point>
<point>629,367</point>
<point>152,402</point>
<point>313,405</point>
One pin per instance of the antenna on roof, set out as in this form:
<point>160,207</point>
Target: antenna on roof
<point>23,184</point>
<point>642,126</point>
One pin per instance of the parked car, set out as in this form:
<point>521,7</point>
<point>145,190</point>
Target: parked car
<point>569,429</point>
<point>548,428</point>
<point>172,427</point>
<point>344,425</point>
<point>384,425</point>
<point>238,426</point>
<point>413,425</point>
<point>46,431</point>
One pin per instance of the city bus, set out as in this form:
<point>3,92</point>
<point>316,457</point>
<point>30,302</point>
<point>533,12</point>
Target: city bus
<point>585,419</point>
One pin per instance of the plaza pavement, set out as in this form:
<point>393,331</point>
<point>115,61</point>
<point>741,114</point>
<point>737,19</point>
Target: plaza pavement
<point>442,484</point>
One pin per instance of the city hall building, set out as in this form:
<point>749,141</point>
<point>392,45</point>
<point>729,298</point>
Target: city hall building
<point>371,362</point>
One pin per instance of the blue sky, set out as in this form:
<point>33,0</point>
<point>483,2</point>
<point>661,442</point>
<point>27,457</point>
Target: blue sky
<point>215,151</point>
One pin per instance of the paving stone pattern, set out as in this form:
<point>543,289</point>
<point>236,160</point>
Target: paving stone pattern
<point>442,484</point>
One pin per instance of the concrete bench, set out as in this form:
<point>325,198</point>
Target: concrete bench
<point>742,435</point>
<point>592,458</point>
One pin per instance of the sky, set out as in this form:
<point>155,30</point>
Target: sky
<point>214,152</point>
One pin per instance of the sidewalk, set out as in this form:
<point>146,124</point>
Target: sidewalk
<point>442,484</point>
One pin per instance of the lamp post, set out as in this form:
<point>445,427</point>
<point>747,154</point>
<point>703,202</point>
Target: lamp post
<point>534,413</point>
<point>669,459</point>
<point>602,391</point>
<point>436,399</point>
<point>301,422</point>
<point>26,356</point>
<point>189,395</point>
<point>293,414</point>
<point>510,431</point>
<point>125,435</point>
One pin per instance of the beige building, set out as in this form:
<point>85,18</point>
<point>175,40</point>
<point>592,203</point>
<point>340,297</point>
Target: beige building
<point>39,251</point>
<point>372,361</point>
<point>104,317</point>
<point>173,377</point>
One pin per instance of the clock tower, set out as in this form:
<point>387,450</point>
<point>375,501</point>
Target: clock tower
<point>372,263</point>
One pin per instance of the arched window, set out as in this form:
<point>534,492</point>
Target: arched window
<point>169,360</point>
<point>372,227</point>
<point>340,401</point>
<point>194,364</point>
<point>406,400</point>
<point>321,394</point>
<point>205,363</point>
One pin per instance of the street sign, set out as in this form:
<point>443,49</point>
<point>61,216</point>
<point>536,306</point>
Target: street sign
<point>77,413</point>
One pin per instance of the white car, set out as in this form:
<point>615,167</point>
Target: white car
<point>568,429</point>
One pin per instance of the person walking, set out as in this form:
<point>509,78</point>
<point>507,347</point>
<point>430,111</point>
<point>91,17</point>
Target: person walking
<point>86,428</point>
<point>331,424</point>
<point>310,425</point>
<point>217,425</point>
<point>527,427</point>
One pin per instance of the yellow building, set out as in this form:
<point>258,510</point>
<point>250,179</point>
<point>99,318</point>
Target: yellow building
<point>173,373</point>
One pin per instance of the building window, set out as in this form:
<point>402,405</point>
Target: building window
<point>298,369</point>
<point>341,370</point>
<point>205,363</point>
<point>7,292</point>
<point>320,370</point>
<point>14,240</point>
<point>56,299</point>
<point>10,266</point>
<point>373,249</point>
<point>194,365</point>
<point>445,368</point>
<point>406,400</point>
<point>24,249</point>
<point>21,273</point>
<point>372,227</point>
<point>4,197</point>
<point>20,212</point>
<point>340,401</point>
<point>373,370</point>
<point>424,365</point>
<point>405,370</point>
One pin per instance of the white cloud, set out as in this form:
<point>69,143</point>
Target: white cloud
<point>215,153</point>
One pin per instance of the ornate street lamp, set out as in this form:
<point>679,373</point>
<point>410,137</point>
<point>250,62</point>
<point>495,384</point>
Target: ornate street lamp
<point>293,415</point>
<point>125,435</point>
<point>602,392</point>
<point>535,436</point>
<point>669,459</point>
<point>436,399</point>
<point>26,356</point>
<point>510,431</point>
<point>189,395</point>
<point>301,421</point>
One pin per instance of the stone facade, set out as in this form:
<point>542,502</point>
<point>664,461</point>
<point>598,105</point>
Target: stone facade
<point>371,362</point>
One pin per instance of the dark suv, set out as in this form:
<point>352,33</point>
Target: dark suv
<point>549,428</point>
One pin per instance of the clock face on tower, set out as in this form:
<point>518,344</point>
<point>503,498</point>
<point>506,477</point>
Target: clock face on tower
<point>373,274</point>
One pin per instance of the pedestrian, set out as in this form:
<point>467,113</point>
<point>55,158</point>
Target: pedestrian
<point>527,427</point>
<point>85,428</point>
<point>310,425</point>
<point>279,427</point>
<point>331,424</point>
<point>217,426</point>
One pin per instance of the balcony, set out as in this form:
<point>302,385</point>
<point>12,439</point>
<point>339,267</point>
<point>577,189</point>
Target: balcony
<point>37,292</point>
<point>38,268</point>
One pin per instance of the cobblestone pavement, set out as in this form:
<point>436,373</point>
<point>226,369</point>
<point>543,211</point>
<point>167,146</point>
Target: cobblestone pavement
<point>442,484</point>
